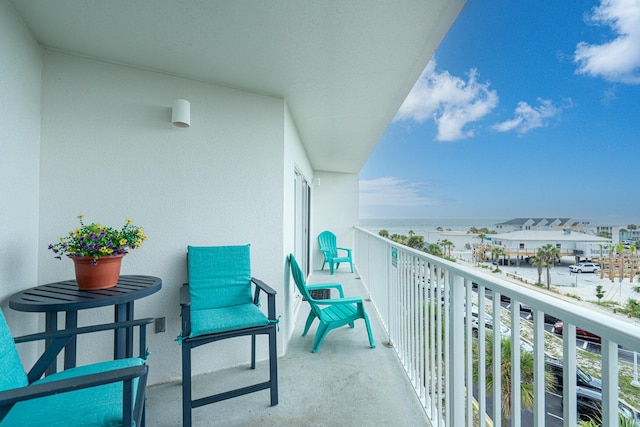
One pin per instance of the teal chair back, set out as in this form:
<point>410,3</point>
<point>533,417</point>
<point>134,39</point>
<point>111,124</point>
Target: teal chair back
<point>327,242</point>
<point>12,374</point>
<point>298,278</point>
<point>219,276</point>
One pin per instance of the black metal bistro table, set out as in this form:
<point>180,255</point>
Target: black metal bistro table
<point>64,296</point>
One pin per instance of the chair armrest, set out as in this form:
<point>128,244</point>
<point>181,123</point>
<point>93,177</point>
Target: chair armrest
<point>271,297</point>
<point>63,333</point>
<point>325,286</point>
<point>10,397</point>
<point>345,249</point>
<point>59,339</point>
<point>263,286</point>
<point>350,300</point>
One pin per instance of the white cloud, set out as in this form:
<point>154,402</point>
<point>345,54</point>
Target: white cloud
<point>619,59</point>
<point>391,191</point>
<point>452,102</point>
<point>528,117</point>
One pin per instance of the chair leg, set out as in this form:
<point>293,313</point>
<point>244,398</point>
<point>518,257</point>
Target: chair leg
<point>273,366</point>
<point>321,333</point>
<point>310,320</point>
<point>366,321</point>
<point>351,264</point>
<point>331,267</point>
<point>186,385</point>
<point>253,351</point>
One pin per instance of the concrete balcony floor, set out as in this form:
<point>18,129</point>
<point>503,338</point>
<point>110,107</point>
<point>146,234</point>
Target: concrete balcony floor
<point>346,383</point>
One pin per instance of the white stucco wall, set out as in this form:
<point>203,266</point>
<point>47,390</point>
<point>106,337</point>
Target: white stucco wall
<point>336,209</point>
<point>20,76</point>
<point>109,152</point>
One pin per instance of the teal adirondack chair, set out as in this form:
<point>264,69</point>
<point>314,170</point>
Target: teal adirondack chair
<point>327,241</point>
<point>338,312</point>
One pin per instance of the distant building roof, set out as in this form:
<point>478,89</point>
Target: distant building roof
<point>549,235</point>
<point>538,222</point>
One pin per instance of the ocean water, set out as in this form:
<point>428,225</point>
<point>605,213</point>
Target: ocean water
<point>426,226</point>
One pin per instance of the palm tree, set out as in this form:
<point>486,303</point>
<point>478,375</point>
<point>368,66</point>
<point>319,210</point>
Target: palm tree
<point>612,268</point>
<point>414,241</point>
<point>526,375</point>
<point>549,254</point>
<point>632,250</point>
<point>537,262</point>
<point>434,249</point>
<point>601,259</point>
<point>446,245</point>
<point>497,252</point>
<point>620,250</point>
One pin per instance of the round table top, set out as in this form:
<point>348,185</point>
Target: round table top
<point>65,295</point>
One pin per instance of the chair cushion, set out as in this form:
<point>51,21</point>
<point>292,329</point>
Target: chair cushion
<point>214,320</point>
<point>12,374</point>
<point>96,406</point>
<point>219,276</point>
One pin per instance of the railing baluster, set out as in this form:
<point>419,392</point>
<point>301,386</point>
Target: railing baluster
<point>516,397</point>
<point>539,383</point>
<point>482,360</point>
<point>569,373</point>
<point>610,383</point>
<point>469,352</point>
<point>456,341</point>
<point>496,365</point>
<point>444,349</point>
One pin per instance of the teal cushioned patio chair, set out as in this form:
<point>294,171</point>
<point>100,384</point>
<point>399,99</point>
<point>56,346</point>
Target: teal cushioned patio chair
<point>327,241</point>
<point>110,393</point>
<point>336,313</point>
<point>217,304</point>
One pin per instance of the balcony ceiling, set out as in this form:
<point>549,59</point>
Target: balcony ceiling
<point>343,67</point>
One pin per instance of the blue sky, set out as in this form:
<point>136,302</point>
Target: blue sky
<point>527,109</point>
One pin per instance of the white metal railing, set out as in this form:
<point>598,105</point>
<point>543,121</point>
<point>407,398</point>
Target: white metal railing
<point>423,302</point>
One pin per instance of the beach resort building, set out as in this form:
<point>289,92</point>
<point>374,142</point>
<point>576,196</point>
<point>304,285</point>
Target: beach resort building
<point>523,245</point>
<point>521,224</point>
<point>287,101</point>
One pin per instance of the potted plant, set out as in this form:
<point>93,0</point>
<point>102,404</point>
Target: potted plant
<point>97,251</point>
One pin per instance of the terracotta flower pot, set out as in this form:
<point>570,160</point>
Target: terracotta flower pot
<point>102,275</point>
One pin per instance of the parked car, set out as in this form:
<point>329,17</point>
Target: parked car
<point>580,333</point>
<point>523,307</point>
<point>584,267</point>
<point>555,368</point>
<point>488,322</point>
<point>589,405</point>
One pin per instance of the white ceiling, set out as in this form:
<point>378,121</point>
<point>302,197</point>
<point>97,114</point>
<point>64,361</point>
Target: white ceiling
<point>343,66</point>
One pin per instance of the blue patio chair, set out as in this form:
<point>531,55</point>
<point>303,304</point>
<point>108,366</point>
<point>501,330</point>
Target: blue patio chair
<point>217,304</point>
<point>338,312</point>
<point>327,241</point>
<point>110,393</point>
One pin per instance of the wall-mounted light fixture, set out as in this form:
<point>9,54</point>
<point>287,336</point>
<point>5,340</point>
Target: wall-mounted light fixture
<point>181,113</point>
